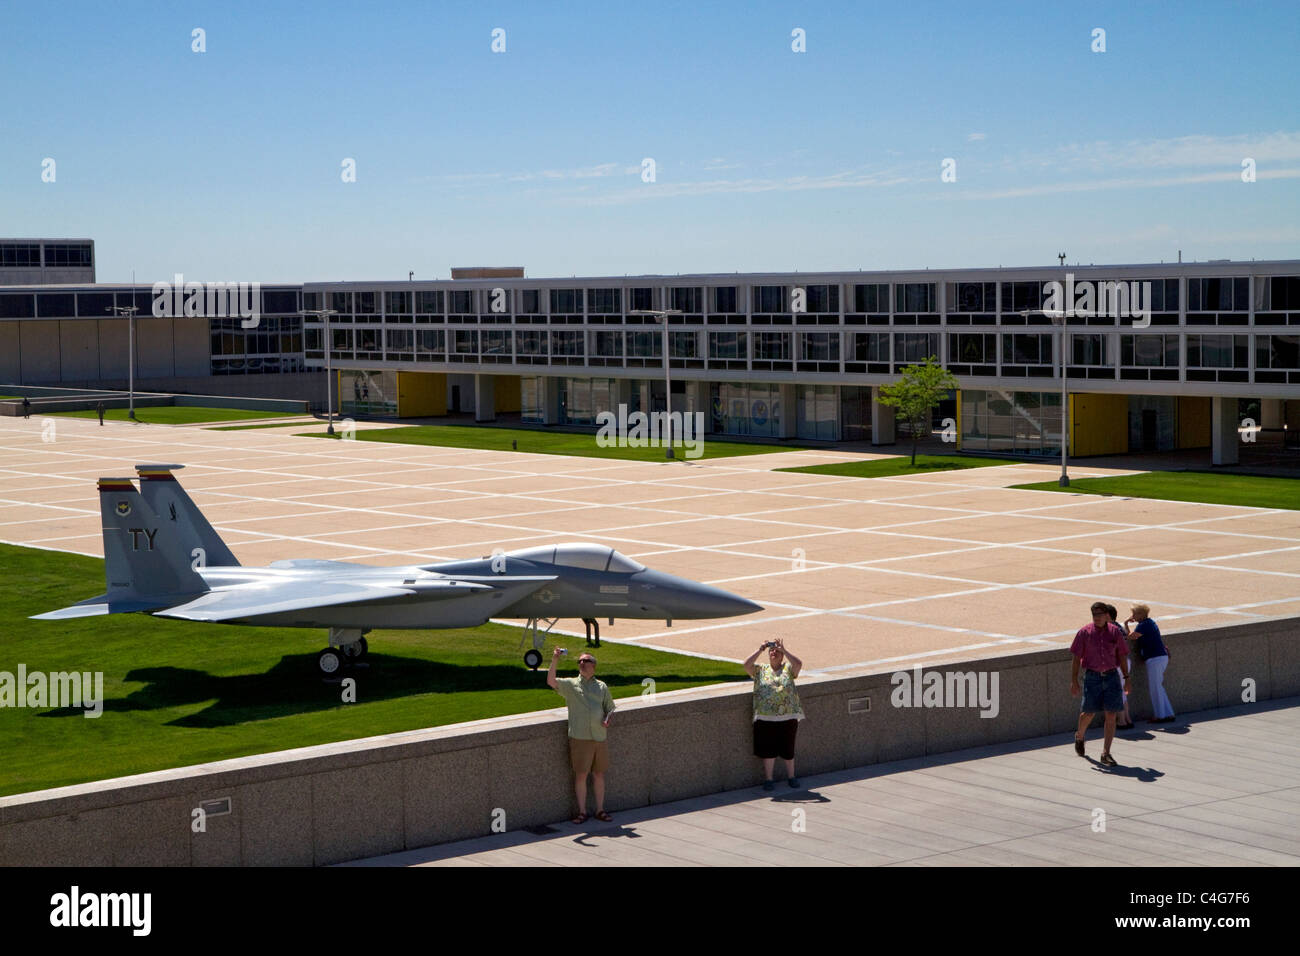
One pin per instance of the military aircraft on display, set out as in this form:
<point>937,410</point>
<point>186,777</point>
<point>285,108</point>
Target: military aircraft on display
<point>162,557</point>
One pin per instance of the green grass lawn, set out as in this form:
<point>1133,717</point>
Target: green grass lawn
<point>546,442</point>
<point>887,467</point>
<point>181,693</point>
<point>177,414</point>
<point>1208,487</point>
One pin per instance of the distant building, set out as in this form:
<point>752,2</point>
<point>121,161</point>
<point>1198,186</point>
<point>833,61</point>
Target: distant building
<point>46,261</point>
<point>782,355</point>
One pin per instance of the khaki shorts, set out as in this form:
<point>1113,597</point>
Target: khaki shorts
<point>588,756</point>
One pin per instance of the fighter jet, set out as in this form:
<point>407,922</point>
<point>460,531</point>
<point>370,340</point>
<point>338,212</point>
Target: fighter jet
<point>163,558</point>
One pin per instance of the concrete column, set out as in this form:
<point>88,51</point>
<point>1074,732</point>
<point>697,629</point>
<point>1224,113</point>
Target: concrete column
<point>789,411</point>
<point>485,398</point>
<point>1270,413</point>
<point>882,420</point>
<point>1223,431</point>
<point>550,400</point>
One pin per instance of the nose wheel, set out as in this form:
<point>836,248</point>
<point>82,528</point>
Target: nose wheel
<point>347,648</point>
<point>533,656</point>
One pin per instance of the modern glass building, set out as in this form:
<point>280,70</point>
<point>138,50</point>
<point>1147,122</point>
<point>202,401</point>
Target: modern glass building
<point>1156,356</point>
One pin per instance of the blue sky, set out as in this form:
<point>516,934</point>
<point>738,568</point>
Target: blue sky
<point>226,164</point>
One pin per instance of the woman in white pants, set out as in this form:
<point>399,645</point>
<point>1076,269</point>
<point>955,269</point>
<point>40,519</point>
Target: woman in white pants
<point>1151,648</point>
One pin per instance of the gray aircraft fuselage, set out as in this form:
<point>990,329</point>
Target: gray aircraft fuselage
<point>505,586</point>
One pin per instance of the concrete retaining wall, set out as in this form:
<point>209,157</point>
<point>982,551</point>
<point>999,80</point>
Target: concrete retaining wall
<point>45,403</point>
<point>361,798</point>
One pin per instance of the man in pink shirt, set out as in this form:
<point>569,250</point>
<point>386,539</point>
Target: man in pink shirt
<point>1101,649</point>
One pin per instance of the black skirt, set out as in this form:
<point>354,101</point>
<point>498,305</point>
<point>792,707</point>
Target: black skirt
<point>775,738</point>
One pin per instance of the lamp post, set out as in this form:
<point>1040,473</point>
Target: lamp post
<point>662,316</point>
<point>324,316</point>
<point>129,311</point>
<point>1058,319</point>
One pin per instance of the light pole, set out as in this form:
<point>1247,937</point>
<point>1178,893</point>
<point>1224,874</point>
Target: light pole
<point>324,316</point>
<point>129,311</point>
<point>662,316</point>
<point>1058,319</point>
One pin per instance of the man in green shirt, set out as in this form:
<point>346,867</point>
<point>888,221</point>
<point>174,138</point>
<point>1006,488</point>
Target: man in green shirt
<point>590,706</point>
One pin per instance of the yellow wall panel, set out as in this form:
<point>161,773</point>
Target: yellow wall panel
<point>508,393</point>
<point>421,394</point>
<point>1193,421</point>
<point>1098,424</point>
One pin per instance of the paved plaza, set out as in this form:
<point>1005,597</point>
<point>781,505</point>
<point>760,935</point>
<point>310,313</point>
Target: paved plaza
<point>941,567</point>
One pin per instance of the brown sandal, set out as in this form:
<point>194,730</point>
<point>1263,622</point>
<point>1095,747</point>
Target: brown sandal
<point>579,820</point>
<point>604,817</point>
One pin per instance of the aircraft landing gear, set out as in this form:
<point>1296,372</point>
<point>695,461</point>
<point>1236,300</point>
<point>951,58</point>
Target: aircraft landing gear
<point>356,650</point>
<point>592,623</point>
<point>347,647</point>
<point>533,656</point>
<point>330,662</point>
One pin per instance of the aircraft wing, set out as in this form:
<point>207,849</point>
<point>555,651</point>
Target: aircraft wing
<point>234,603</point>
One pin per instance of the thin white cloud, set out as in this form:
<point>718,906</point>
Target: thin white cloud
<point>847,179</point>
<point>1131,182</point>
<point>1183,151</point>
<point>975,137</point>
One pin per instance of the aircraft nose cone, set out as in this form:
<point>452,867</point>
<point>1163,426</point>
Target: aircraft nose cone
<point>689,600</point>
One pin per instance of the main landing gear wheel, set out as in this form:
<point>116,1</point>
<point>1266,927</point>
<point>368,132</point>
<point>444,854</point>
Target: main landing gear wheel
<point>533,658</point>
<point>330,662</point>
<point>356,650</point>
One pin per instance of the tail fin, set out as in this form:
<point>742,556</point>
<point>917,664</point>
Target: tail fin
<point>145,559</point>
<point>164,494</point>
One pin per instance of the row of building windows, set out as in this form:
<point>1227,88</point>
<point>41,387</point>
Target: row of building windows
<point>968,354</point>
<point>98,305</point>
<point>271,336</point>
<point>57,255</point>
<point>1203,294</point>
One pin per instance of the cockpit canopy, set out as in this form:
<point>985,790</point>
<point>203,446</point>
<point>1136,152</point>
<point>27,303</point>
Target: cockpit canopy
<point>593,557</point>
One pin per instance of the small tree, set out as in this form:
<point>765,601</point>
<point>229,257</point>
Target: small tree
<point>921,389</point>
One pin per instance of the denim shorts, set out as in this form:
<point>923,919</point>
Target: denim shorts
<point>1102,692</point>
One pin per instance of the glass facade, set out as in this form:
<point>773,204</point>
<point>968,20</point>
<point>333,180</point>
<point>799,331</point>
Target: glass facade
<point>274,345</point>
<point>1022,423</point>
<point>367,392</point>
<point>1152,423</point>
<point>745,408</point>
<point>581,399</point>
<point>819,412</point>
<point>532,395</point>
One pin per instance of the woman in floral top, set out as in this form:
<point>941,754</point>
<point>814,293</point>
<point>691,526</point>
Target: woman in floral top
<point>777,710</point>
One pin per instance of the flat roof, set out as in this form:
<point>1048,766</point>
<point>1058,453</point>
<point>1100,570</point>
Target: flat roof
<point>1208,267</point>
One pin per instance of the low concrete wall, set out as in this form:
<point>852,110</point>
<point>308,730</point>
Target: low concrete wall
<point>360,798</point>
<point>46,404</point>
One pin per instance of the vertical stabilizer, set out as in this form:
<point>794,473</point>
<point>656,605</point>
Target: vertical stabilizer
<point>144,560</point>
<point>164,494</point>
